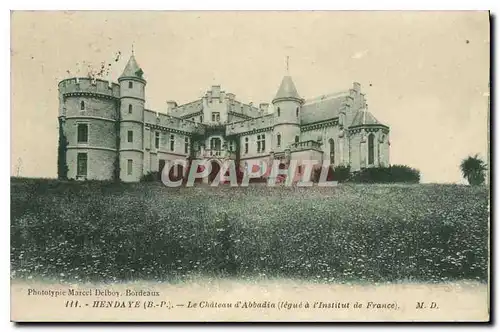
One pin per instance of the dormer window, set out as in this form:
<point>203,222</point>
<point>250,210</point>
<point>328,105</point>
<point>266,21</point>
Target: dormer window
<point>130,85</point>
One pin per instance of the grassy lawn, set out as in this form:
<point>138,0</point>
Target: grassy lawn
<point>102,231</point>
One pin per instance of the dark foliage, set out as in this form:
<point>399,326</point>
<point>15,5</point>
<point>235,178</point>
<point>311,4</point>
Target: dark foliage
<point>151,177</point>
<point>338,173</point>
<point>62,167</point>
<point>391,174</point>
<point>473,169</point>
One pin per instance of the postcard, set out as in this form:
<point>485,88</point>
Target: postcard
<point>250,166</point>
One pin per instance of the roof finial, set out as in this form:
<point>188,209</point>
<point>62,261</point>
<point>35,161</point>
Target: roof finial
<point>132,48</point>
<point>287,68</point>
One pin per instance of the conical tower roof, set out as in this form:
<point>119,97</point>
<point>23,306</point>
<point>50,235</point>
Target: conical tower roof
<point>287,90</point>
<point>132,69</point>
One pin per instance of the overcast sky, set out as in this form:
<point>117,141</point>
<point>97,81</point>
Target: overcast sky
<point>428,71</point>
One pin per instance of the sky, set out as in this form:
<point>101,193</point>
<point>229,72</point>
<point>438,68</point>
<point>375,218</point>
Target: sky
<point>425,74</point>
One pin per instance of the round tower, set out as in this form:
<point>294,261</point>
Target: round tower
<point>88,111</point>
<point>132,99</point>
<point>287,107</point>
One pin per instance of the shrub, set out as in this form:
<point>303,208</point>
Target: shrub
<point>391,174</point>
<point>339,173</point>
<point>151,177</point>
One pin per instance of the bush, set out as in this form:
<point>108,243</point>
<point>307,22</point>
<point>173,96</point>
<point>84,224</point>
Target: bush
<point>391,174</point>
<point>339,173</point>
<point>151,177</point>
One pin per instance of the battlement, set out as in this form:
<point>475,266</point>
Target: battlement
<point>172,123</point>
<point>241,127</point>
<point>77,85</point>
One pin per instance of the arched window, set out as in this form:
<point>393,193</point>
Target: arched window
<point>278,140</point>
<point>332,151</point>
<point>130,109</point>
<point>82,105</point>
<point>278,111</point>
<point>297,112</point>
<point>371,152</point>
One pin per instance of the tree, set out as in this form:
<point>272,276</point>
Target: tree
<point>473,169</point>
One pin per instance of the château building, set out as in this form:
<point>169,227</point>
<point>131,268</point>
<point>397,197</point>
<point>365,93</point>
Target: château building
<point>106,132</point>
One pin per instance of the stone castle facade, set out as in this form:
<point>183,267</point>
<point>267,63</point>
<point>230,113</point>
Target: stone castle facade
<point>108,132</point>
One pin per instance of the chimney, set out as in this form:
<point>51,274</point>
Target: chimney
<point>264,107</point>
<point>230,96</point>
<point>171,104</point>
<point>216,91</point>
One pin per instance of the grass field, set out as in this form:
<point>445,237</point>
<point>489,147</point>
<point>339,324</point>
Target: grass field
<point>95,231</point>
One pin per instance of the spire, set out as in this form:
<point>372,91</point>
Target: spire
<point>287,90</point>
<point>132,68</point>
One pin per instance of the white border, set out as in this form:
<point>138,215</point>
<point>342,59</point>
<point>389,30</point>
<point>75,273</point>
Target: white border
<point>191,5</point>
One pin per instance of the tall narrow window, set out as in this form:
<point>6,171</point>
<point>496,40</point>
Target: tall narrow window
<point>130,136</point>
<point>81,164</point>
<point>172,142</point>
<point>261,143</point>
<point>82,105</point>
<point>157,140</point>
<point>231,146</point>
<point>129,166</point>
<point>246,144</point>
<point>279,111</point>
<point>83,133</point>
<point>215,146</point>
<point>201,118</point>
<point>296,138</point>
<point>186,144</point>
<point>278,140</point>
<point>130,85</point>
<point>130,109</point>
<point>371,152</point>
<point>332,151</point>
<point>297,112</point>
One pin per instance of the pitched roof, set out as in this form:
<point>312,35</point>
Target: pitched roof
<point>287,89</point>
<point>363,117</point>
<point>322,108</point>
<point>132,69</point>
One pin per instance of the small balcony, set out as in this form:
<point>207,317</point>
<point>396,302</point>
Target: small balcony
<point>305,145</point>
<point>214,153</point>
